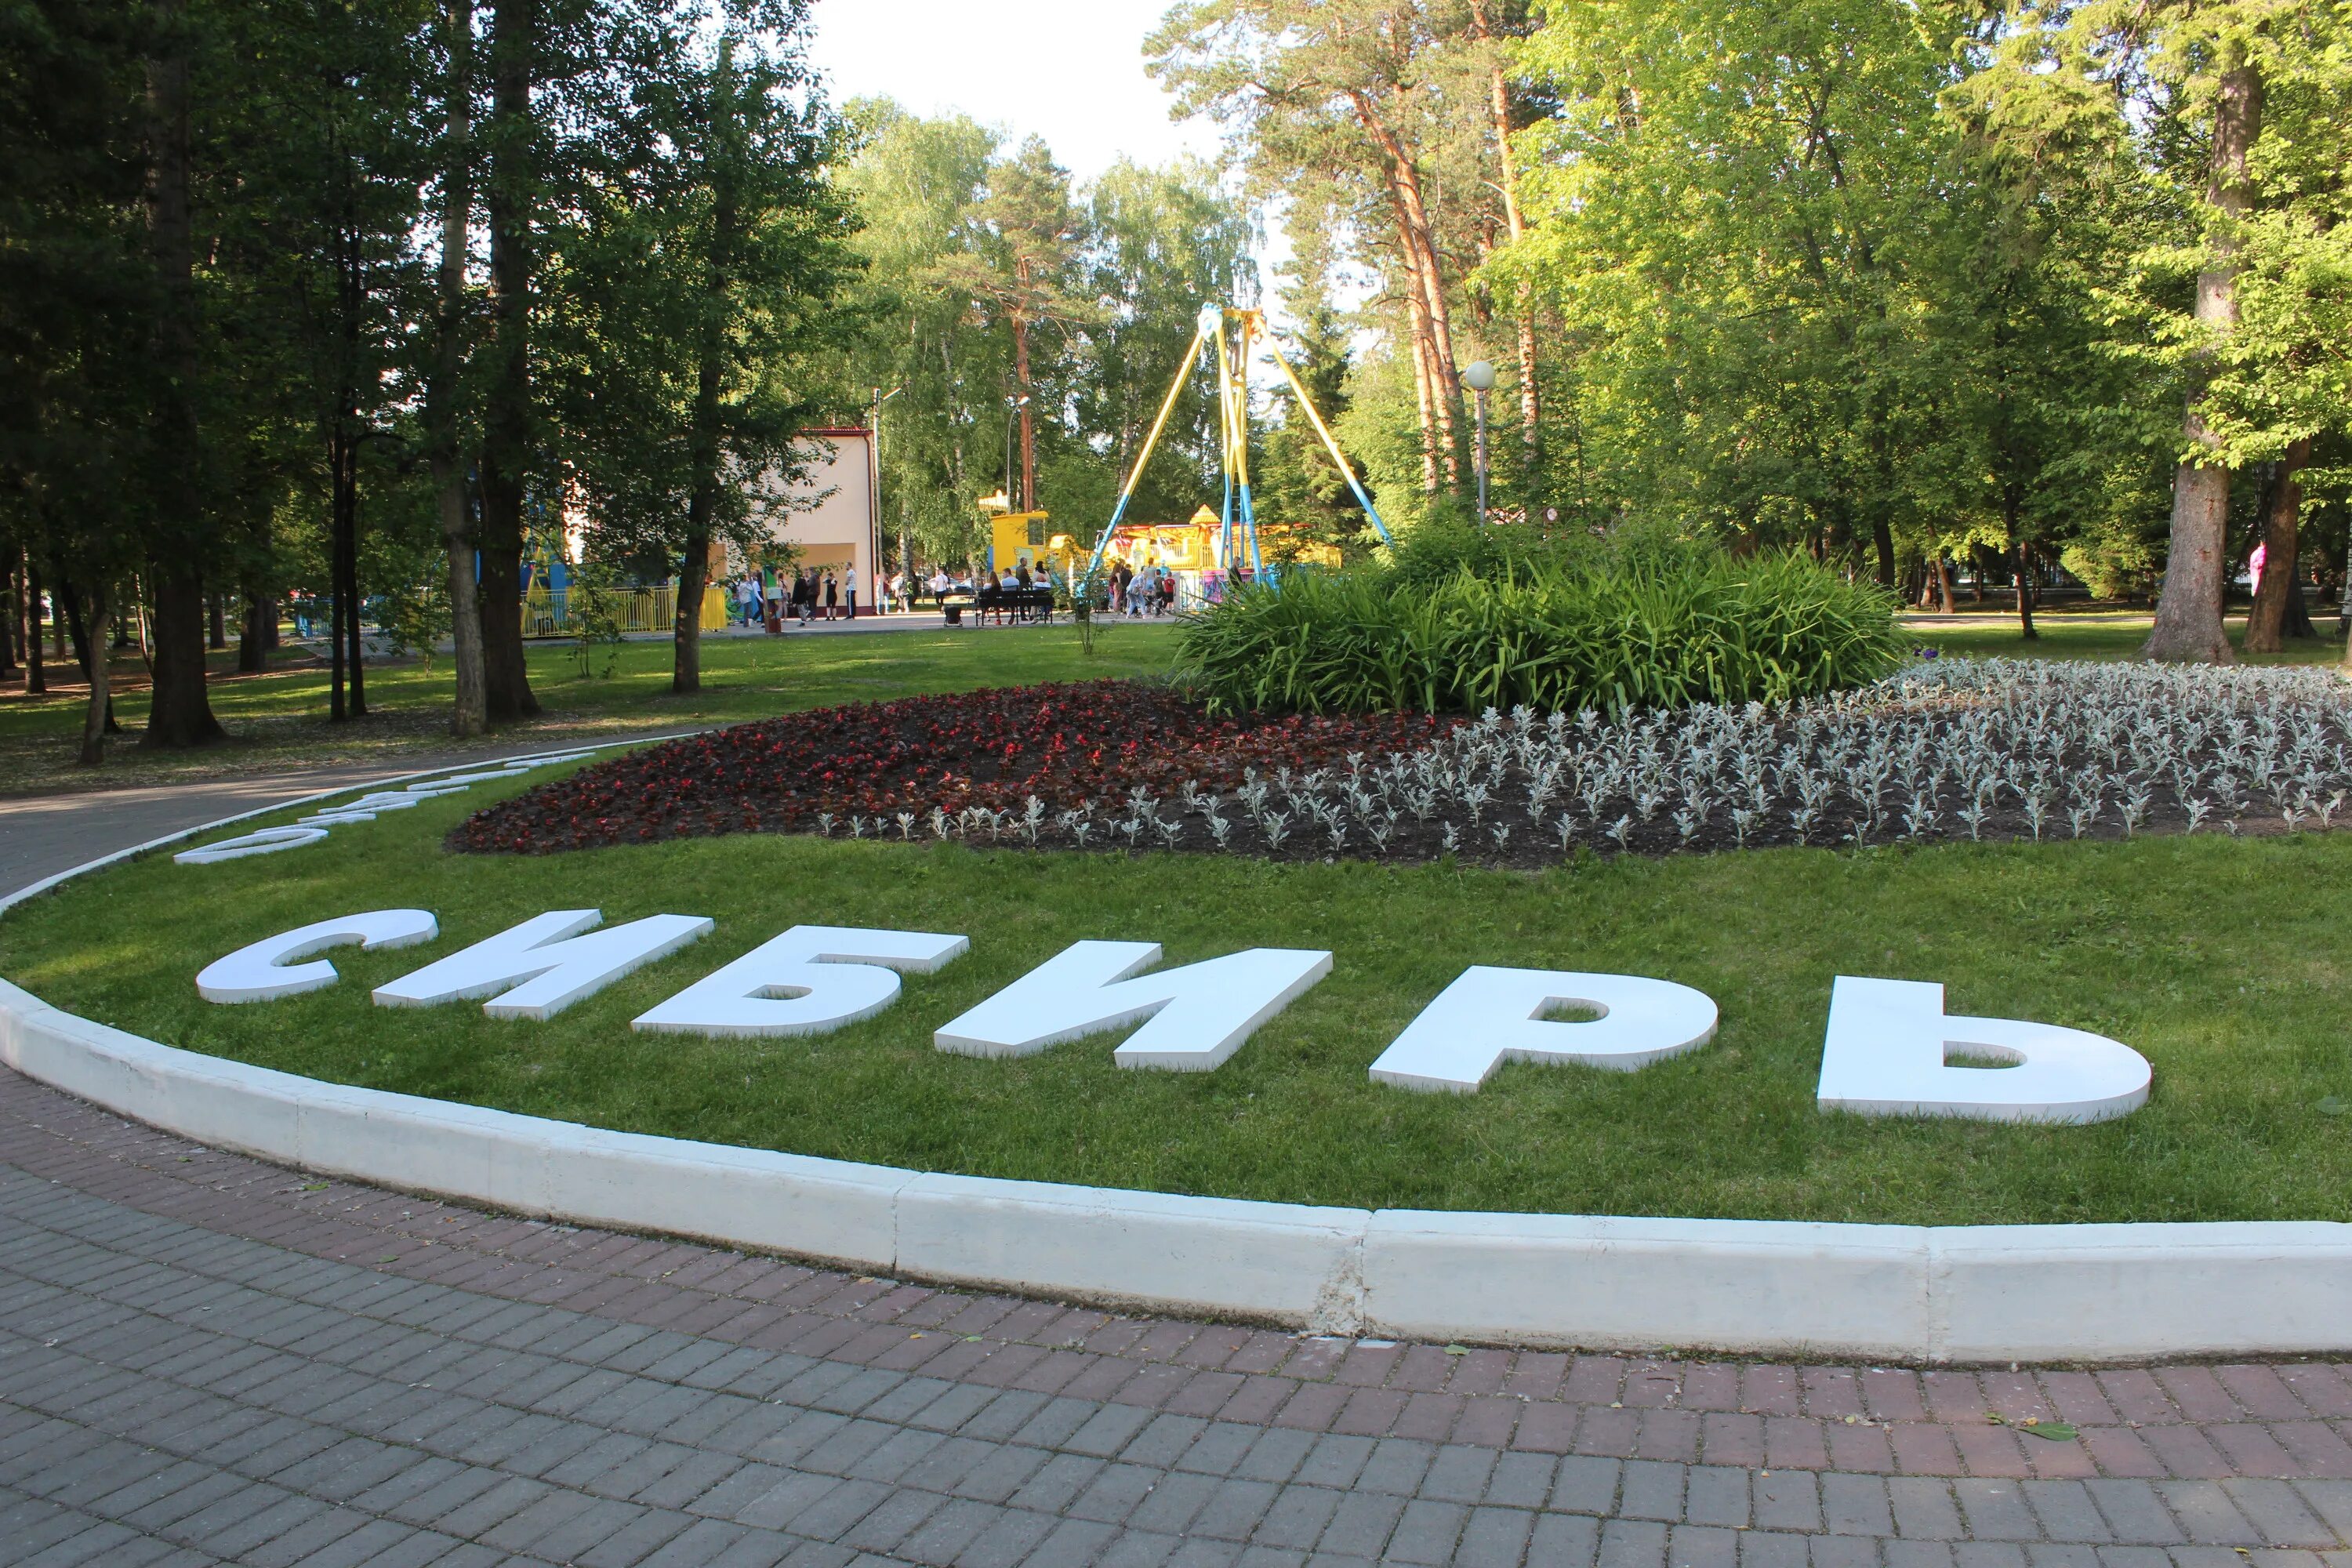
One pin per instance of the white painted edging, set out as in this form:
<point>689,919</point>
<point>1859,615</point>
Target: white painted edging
<point>2092,1293</point>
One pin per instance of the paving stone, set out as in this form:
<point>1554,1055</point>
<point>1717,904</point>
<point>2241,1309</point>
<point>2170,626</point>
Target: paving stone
<point>1570,1540</point>
<point>1232,1509</point>
<point>1786,1500</point>
<point>1586,1484</point>
<point>1361,1523</point>
<point>2208,1514</point>
<point>1995,1511</point>
<point>1989,1554</point>
<point>1494,1538</point>
<point>227,1390</point>
<point>2067,1512</point>
<point>1396,1464</point>
<point>1522,1481</point>
<point>1857,1505</point>
<point>2274,1508</point>
<point>2047,1554</point>
<point>1702,1546</point>
<point>1297,1518</point>
<point>1924,1509</point>
<point>1632,1543</point>
<point>1334,1461</point>
<point>1651,1491</point>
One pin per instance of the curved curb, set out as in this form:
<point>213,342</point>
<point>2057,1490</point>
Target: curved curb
<point>1961,1293</point>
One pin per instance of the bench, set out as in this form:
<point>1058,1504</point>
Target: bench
<point>1038,602</point>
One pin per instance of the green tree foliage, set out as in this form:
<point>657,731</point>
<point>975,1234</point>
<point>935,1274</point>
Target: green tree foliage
<point>1903,286</point>
<point>991,277</point>
<point>302,299</point>
<point>2234,117</point>
<point>695,286</point>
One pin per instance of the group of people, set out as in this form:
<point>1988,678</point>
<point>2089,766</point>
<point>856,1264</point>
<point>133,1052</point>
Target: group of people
<point>812,594</point>
<point>809,593</point>
<point>1150,592</point>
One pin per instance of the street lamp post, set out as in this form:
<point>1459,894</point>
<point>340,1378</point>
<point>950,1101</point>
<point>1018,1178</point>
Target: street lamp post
<point>905,560</point>
<point>1479,376</point>
<point>1013,406</point>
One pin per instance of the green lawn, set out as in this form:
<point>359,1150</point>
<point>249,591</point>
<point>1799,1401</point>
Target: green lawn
<point>278,721</point>
<point>2087,634</point>
<point>2218,958</point>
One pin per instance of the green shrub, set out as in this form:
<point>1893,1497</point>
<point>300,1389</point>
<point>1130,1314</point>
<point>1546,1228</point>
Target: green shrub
<point>1661,630</point>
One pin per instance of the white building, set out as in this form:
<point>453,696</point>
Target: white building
<point>838,532</point>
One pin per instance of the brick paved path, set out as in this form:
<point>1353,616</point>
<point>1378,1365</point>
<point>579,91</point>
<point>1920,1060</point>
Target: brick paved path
<point>206,1359</point>
<point>203,1359</point>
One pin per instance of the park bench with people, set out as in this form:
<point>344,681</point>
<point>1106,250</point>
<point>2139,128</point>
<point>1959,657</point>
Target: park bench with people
<point>1033,605</point>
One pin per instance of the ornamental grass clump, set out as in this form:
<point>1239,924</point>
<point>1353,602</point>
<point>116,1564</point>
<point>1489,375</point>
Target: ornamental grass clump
<point>1658,631</point>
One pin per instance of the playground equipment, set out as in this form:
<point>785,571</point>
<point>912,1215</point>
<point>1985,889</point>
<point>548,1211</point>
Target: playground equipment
<point>1023,539</point>
<point>1233,330</point>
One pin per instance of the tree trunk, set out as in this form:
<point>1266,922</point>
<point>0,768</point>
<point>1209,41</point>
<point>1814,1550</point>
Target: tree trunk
<point>1423,401</point>
<point>177,713</point>
<point>1882,541</point>
<point>253,636</point>
<point>703,436</point>
<point>686,635</point>
<point>11,587</point>
<point>1944,585</point>
<point>1515,225</point>
<point>2023,554</point>
<point>2189,613</point>
<point>506,426</point>
<point>2267,622</point>
<point>1425,284</point>
<point>468,717</point>
<point>1027,500</point>
<point>89,647</point>
<point>1445,372</point>
<point>97,717</point>
<point>355,614</point>
<point>216,622</point>
<point>339,543</point>
<point>36,679</point>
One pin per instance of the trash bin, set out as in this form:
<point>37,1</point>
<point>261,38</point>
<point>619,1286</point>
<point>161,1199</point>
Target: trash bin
<point>954,613</point>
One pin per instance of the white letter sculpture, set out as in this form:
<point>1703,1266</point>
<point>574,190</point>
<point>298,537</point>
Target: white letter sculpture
<point>261,841</point>
<point>266,971</point>
<point>544,965</point>
<point>363,809</point>
<point>1489,1016</point>
<point>1888,1054</point>
<point>805,981</point>
<point>1199,1014</point>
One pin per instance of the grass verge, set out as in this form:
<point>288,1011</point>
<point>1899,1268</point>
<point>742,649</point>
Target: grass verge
<point>2204,953</point>
<point>279,720</point>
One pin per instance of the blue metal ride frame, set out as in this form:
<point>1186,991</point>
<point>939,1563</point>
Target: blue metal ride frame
<point>1233,409</point>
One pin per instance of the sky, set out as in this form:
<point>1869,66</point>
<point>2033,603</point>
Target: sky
<point>1068,70</point>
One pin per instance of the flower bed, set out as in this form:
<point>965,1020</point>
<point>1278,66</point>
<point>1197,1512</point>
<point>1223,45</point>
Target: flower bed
<point>1986,751</point>
<point>864,769</point>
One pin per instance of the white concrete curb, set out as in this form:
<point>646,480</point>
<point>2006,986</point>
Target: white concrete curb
<point>1974,1293</point>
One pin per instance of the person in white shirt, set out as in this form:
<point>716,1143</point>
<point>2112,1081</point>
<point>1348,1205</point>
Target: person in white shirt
<point>849,587</point>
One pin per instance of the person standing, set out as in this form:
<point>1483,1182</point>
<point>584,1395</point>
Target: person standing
<point>849,586</point>
<point>832,595</point>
